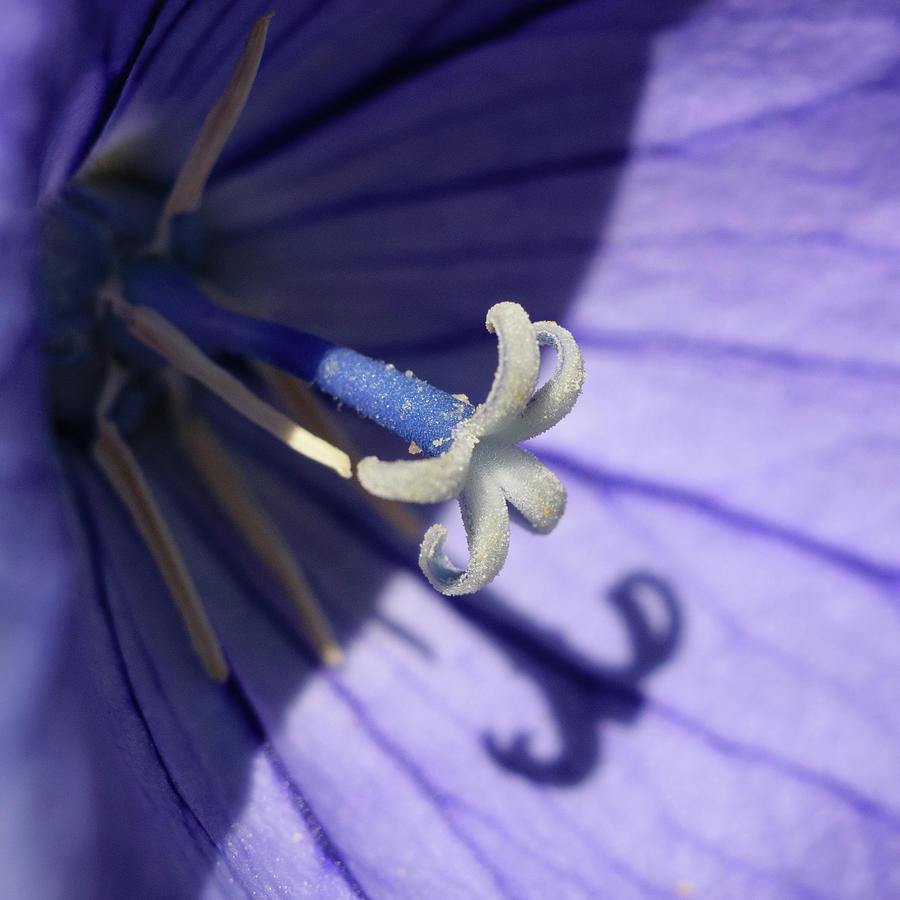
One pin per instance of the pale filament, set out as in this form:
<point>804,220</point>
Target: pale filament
<point>152,329</point>
<point>187,191</point>
<point>304,405</point>
<point>221,475</point>
<point>123,472</point>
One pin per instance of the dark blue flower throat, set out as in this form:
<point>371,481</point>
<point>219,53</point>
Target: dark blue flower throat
<point>88,240</point>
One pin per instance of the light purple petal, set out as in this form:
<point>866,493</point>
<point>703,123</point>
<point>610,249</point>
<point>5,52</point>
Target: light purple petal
<point>44,780</point>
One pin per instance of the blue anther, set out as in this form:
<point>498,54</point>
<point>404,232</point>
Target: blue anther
<point>406,405</point>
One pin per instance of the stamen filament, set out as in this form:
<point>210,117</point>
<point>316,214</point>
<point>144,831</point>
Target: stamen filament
<point>187,191</point>
<point>123,472</point>
<point>221,475</point>
<point>152,329</point>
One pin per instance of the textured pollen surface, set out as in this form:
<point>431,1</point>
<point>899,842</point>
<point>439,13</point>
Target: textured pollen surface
<point>396,400</point>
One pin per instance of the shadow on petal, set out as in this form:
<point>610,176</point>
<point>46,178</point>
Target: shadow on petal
<point>582,693</point>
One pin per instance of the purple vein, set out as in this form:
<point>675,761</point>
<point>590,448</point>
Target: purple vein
<point>609,480</point>
<point>436,797</point>
<point>93,542</point>
<point>716,351</point>
<point>829,784</point>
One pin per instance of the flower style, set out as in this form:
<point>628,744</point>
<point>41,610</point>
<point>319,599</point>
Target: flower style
<point>690,690</point>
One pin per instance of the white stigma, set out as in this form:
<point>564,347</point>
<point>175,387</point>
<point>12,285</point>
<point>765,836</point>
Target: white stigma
<point>483,467</point>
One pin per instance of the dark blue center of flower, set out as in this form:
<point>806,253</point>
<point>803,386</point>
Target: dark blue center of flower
<point>84,233</point>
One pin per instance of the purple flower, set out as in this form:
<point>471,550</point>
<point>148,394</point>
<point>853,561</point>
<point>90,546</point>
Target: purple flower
<point>691,687</point>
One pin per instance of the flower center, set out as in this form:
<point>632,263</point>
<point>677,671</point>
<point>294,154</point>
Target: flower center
<point>129,323</point>
<point>84,232</point>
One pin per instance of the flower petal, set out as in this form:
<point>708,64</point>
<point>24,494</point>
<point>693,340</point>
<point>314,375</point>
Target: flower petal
<point>45,775</point>
<point>424,183</point>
